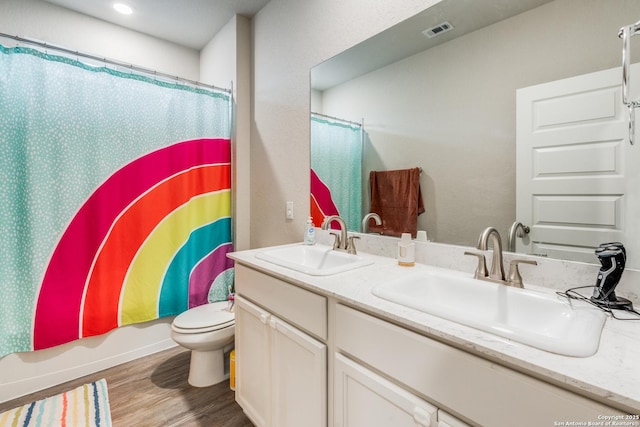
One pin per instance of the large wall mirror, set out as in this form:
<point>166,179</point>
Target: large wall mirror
<point>447,104</point>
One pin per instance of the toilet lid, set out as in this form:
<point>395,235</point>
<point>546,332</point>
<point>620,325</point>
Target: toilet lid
<point>205,316</point>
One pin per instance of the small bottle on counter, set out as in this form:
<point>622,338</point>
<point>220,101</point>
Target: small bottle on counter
<point>422,236</point>
<point>310,233</point>
<point>406,251</point>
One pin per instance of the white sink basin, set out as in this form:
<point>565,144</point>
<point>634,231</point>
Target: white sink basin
<point>316,260</point>
<point>538,319</point>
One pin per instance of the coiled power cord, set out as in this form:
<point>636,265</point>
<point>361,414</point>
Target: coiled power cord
<point>604,305</point>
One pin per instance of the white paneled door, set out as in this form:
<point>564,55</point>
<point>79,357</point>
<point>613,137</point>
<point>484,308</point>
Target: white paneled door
<point>577,182</point>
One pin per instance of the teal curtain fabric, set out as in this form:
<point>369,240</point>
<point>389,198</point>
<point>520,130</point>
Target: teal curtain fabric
<point>336,158</point>
<point>65,128</point>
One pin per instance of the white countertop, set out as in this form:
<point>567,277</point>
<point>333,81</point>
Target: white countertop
<point>612,375</point>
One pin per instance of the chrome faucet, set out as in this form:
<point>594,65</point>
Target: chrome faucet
<point>367,217</point>
<point>497,269</point>
<point>340,241</point>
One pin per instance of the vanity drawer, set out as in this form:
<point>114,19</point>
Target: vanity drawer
<point>476,389</point>
<point>304,309</point>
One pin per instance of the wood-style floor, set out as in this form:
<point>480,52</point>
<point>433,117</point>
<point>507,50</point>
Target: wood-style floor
<point>154,392</point>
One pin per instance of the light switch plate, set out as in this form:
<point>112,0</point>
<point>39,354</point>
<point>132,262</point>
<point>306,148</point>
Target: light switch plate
<point>289,213</point>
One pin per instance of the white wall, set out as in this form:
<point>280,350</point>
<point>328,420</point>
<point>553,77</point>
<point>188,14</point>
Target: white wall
<point>290,37</point>
<point>451,109</point>
<point>22,373</point>
<point>218,57</point>
<point>225,61</point>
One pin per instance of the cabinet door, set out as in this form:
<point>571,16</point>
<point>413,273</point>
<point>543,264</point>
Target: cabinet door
<point>446,420</point>
<point>299,375</point>
<point>253,362</point>
<point>363,398</point>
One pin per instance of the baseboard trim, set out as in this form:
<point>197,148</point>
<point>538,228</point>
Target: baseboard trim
<point>35,371</point>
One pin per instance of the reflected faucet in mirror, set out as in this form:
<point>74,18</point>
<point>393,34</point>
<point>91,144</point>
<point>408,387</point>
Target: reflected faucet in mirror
<point>517,230</point>
<point>367,217</point>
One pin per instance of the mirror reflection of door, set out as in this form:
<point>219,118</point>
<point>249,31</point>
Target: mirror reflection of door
<point>574,166</point>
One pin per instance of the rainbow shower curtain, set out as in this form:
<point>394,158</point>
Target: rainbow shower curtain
<point>115,199</point>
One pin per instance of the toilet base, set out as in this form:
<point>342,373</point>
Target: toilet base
<point>207,368</point>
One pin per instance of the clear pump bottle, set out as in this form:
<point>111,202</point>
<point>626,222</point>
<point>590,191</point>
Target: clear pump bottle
<point>310,233</point>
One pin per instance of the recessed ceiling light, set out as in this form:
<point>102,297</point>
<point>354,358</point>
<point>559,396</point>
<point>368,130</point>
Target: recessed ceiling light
<point>123,8</point>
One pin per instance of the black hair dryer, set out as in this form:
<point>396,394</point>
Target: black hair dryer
<point>613,257</point>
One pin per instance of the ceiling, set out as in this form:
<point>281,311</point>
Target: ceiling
<point>190,23</point>
<point>406,38</point>
<point>193,23</point>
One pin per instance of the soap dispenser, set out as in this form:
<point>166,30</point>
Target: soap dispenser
<point>406,251</point>
<point>310,233</point>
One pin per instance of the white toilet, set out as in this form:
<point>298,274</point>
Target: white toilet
<point>207,331</point>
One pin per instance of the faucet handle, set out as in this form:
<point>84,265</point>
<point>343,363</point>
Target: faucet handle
<point>514,278</point>
<point>336,240</point>
<point>351,245</point>
<point>481,270</point>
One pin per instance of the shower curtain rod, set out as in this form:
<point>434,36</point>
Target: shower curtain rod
<point>336,118</point>
<point>113,62</point>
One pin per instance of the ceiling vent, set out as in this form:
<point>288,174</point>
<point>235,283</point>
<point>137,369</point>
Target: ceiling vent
<point>438,29</point>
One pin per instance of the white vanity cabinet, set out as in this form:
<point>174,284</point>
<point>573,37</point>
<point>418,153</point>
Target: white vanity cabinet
<point>306,358</point>
<point>281,369</point>
<point>480,391</point>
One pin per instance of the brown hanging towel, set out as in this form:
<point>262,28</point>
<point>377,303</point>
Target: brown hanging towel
<point>396,197</point>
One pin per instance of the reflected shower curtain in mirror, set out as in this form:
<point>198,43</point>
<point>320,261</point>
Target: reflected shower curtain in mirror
<point>115,203</point>
<point>336,170</point>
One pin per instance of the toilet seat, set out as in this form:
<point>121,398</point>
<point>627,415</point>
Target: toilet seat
<point>204,318</point>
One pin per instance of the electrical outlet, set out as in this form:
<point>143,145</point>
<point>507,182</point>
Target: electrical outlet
<point>289,213</point>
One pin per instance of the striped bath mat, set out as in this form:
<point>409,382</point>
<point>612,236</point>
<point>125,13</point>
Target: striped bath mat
<point>87,405</point>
